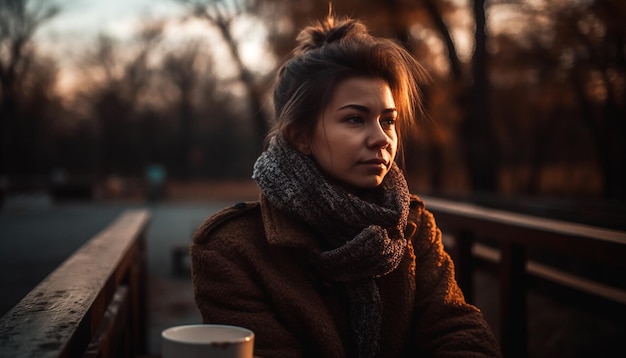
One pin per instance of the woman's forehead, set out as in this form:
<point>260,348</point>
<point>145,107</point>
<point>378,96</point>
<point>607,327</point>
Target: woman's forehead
<point>362,93</point>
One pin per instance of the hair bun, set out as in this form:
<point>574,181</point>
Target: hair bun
<point>324,32</point>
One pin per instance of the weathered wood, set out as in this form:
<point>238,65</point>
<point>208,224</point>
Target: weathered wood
<point>463,263</point>
<point>63,314</point>
<point>513,301</point>
<point>567,239</point>
<point>559,277</point>
<point>578,240</point>
<point>112,339</point>
<point>515,234</point>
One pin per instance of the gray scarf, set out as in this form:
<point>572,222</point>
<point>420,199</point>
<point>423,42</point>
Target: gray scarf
<point>366,234</point>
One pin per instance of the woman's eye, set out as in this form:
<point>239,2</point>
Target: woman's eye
<point>388,122</point>
<point>354,119</point>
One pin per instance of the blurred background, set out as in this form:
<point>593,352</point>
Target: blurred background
<point>140,98</point>
<point>117,104</point>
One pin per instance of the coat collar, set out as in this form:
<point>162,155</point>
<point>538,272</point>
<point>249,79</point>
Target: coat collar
<point>282,230</point>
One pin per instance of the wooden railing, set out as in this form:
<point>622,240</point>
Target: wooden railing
<point>92,305</point>
<point>513,235</point>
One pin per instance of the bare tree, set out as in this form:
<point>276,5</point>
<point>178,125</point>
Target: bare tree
<point>559,82</point>
<point>19,20</point>
<point>180,67</point>
<point>599,34</point>
<point>124,77</point>
<point>477,132</point>
<point>222,15</point>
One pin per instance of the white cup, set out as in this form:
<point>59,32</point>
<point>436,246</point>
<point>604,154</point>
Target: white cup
<point>207,341</point>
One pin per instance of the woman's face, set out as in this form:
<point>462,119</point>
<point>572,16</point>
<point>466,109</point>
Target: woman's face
<point>355,141</point>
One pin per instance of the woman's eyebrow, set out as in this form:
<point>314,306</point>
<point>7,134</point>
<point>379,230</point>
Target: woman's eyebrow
<point>357,107</point>
<point>366,109</point>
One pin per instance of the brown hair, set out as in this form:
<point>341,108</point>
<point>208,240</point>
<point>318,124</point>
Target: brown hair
<point>331,51</point>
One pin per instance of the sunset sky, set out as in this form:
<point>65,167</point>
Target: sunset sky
<point>88,17</point>
<point>74,30</point>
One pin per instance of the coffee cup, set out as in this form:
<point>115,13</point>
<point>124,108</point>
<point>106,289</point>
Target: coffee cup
<point>207,341</point>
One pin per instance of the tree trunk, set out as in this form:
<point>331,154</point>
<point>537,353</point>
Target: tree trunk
<point>479,139</point>
<point>260,121</point>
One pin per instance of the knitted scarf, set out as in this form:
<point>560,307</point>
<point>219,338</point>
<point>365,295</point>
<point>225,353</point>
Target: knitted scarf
<point>365,234</point>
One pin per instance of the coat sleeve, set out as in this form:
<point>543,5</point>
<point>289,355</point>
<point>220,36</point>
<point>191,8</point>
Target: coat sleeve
<point>447,326</point>
<point>227,289</point>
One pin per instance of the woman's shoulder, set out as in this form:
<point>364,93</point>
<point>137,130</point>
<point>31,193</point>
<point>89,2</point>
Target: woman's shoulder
<point>421,217</point>
<point>417,207</point>
<point>236,218</point>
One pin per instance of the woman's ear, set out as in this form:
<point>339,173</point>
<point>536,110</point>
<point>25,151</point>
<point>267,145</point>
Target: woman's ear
<point>300,141</point>
<point>302,144</point>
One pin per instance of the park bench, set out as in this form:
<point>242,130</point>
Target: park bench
<point>93,305</point>
<point>501,241</point>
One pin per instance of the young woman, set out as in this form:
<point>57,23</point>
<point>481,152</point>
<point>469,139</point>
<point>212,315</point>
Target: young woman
<point>337,258</point>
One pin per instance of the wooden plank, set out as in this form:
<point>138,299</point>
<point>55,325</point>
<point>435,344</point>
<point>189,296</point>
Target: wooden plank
<point>559,227</point>
<point>464,263</point>
<point>548,273</point>
<point>557,276</point>
<point>60,315</point>
<point>583,241</point>
<point>515,233</point>
<point>111,339</point>
<point>513,287</point>
<point>138,282</point>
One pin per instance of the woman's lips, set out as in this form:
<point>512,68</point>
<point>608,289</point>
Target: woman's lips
<point>376,161</point>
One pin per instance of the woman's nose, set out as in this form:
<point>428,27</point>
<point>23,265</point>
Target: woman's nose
<point>377,137</point>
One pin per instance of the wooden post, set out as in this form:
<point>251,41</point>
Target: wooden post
<point>513,301</point>
<point>464,263</point>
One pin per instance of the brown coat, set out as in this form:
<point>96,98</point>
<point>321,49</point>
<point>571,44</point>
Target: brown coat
<point>251,267</point>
